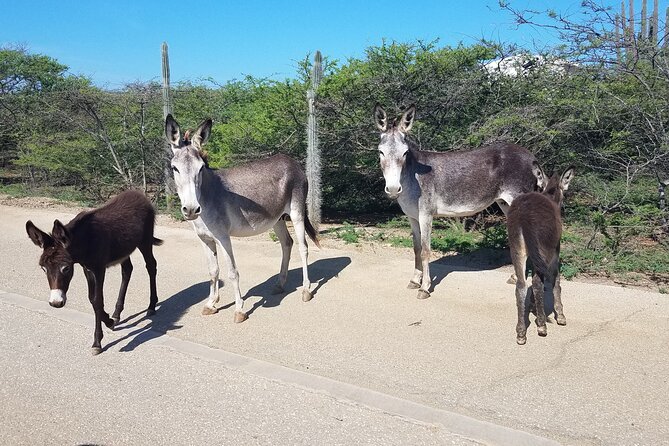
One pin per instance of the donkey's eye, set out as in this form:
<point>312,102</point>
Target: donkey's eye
<point>174,168</point>
<point>65,269</point>
<point>404,154</point>
<point>380,153</point>
<point>44,268</point>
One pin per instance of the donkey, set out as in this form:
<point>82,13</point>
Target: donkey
<point>447,184</point>
<point>241,201</point>
<point>98,239</point>
<point>535,226</point>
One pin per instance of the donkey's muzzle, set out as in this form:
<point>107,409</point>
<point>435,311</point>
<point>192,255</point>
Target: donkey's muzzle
<point>394,192</point>
<point>57,298</point>
<point>191,213</point>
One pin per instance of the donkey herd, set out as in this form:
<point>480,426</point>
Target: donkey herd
<point>251,199</point>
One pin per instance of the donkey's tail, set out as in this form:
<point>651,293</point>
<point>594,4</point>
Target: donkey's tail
<point>157,241</point>
<point>311,232</point>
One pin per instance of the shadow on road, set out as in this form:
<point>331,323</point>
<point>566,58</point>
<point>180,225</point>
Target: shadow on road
<point>320,273</point>
<point>169,311</point>
<point>172,309</point>
<point>479,260</point>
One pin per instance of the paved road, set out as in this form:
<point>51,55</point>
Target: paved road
<point>602,379</point>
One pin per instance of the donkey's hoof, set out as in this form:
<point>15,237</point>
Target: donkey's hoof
<point>561,320</point>
<point>277,289</point>
<point>521,340</point>
<point>116,320</point>
<point>542,331</point>
<point>422,294</point>
<point>512,279</point>
<point>413,285</point>
<point>110,323</point>
<point>206,311</point>
<point>307,295</point>
<point>96,351</point>
<point>150,311</point>
<point>240,317</point>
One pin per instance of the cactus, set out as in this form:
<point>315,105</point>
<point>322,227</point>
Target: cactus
<point>167,109</point>
<point>666,29</point>
<point>643,33</point>
<point>313,166</point>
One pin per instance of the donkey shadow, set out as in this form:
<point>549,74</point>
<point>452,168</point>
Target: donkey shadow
<point>320,272</point>
<point>169,312</point>
<point>172,309</point>
<point>483,259</point>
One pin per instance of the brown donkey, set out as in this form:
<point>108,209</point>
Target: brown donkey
<point>96,240</point>
<point>535,226</point>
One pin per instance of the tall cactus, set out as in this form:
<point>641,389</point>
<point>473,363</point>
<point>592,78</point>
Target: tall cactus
<point>313,151</point>
<point>652,31</point>
<point>167,109</point>
<point>643,33</point>
<point>666,29</point>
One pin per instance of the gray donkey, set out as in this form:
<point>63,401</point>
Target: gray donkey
<point>535,227</point>
<point>446,184</point>
<point>241,201</point>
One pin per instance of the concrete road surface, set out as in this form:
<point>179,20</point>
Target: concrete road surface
<point>447,368</point>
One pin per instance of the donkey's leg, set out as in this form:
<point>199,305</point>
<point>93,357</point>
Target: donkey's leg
<point>99,309</point>
<point>557,297</point>
<point>233,277</point>
<point>298,224</point>
<point>425,222</point>
<point>150,261</point>
<point>209,247</point>
<point>519,258</point>
<point>538,290</point>
<point>415,281</point>
<point>286,245</point>
<point>504,206</point>
<point>126,272</point>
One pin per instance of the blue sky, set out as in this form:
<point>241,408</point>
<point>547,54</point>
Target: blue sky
<point>114,42</point>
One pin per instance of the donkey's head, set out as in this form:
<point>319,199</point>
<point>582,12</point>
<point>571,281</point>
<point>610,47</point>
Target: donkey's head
<point>188,163</point>
<point>393,148</point>
<point>554,186</point>
<point>56,260</point>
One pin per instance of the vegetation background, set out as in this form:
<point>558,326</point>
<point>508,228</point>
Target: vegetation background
<point>599,100</point>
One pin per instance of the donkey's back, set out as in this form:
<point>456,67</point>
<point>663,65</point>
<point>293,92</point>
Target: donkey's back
<point>118,227</point>
<point>464,183</point>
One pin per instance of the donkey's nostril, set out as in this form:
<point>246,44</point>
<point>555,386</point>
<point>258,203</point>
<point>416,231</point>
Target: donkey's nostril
<point>399,191</point>
<point>198,210</point>
<point>387,190</point>
<point>183,209</point>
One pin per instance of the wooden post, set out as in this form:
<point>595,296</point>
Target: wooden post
<point>167,109</point>
<point>313,166</point>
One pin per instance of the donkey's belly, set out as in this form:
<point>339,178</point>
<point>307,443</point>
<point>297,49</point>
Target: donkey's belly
<point>459,210</point>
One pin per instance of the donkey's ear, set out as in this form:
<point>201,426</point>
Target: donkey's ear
<point>380,118</point>
<point>406,121</point>
<point>566,177</point>
<point>172,132</point>
<point>39,237</point>
<point>540,176</point>
<point>202,133</point>
<point>60,233</point>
